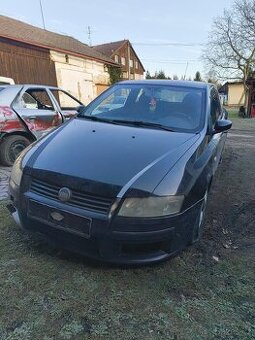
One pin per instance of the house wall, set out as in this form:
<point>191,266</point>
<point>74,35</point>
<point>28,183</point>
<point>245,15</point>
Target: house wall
<point>135,72</point>
<point>235,94</point>
<point>26,64</point>
<point>83,78</point>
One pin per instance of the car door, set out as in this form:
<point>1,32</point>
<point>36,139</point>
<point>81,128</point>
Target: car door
<point>37,110</point>
<point>218,138</point>
<point>68,104</point>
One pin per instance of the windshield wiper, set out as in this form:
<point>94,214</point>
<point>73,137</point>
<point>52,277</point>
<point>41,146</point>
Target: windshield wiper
<point>97,119</point>
<point>145,124</point>
<point>127,122</point>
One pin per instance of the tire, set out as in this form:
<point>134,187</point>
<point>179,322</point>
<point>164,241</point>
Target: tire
<point>198,227</point>
<point>11,147</point>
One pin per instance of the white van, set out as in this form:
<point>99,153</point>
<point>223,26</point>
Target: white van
<point>6,81</point>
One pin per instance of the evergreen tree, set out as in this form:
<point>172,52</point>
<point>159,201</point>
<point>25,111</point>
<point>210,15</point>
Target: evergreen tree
<point>157,75</point>
<point>148,75</point>
<point>161,75</point>
<point>198,76</point>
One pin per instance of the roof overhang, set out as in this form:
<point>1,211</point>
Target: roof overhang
<point>60,50</point>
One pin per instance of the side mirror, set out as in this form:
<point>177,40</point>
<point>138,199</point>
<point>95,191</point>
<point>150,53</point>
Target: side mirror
<point>225,112</point>
<point>222,125</point>
<point>80,108</point>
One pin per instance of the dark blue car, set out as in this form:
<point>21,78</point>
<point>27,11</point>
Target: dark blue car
<point>125,183</point>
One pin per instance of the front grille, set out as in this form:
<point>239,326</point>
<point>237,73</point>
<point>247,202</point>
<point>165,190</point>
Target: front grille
<point>78,199</point>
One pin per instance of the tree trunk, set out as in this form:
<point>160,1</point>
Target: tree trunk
<point>246,99</point>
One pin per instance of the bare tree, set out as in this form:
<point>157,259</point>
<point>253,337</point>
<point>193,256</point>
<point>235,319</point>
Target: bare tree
<point>230,51</point>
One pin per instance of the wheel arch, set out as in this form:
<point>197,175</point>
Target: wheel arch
<point>25,134</point>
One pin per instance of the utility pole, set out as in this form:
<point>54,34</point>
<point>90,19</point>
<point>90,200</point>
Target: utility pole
<point>42,14</point>
<point>186,70</point>
<point>89,36</point>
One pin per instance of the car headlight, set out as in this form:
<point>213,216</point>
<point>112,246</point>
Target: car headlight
<point>17,170</point>
<point>151,206</point>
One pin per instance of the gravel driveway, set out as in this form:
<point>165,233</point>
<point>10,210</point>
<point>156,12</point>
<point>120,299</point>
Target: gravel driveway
<point>4,181</point>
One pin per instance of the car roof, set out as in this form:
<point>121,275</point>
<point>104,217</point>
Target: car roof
<point>178,83</point>
<point>9,92</point>
<point>19,86</point>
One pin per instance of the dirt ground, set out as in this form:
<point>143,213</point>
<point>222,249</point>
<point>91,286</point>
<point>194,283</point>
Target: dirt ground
<point>207,292</point>
<point>231,210</point>
<point>5,173</point>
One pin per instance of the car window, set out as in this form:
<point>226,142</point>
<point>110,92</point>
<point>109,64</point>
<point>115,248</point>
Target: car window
<point>215,106</point>
<point>177,107</point>
<point>65,100</point>
<point>35,99</point>
<point>29,102</point>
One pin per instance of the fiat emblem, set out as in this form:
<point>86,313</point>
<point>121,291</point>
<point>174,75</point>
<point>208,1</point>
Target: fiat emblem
<point>64,194</point>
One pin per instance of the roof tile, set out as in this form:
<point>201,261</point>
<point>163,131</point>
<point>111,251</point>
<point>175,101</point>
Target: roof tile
<point>18,30</point>
<point>109,48</point>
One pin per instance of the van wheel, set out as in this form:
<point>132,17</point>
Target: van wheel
<point>198,227</point>
<point>11,147</point>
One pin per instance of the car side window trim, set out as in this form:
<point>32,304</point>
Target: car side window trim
<point>28,90</point>
<point>67,94</point>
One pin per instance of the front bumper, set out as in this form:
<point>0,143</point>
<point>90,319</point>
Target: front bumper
<point>120,240</point>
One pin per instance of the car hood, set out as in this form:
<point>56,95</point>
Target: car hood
<point>108,159</point>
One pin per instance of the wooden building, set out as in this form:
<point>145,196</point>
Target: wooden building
<point>33,55</point>
<point>123,53</point>
<point>26,64</point>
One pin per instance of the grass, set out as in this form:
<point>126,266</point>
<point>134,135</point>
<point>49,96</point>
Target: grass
<point>232,112</point>
<point>245,124</point>
<point>47,294</point>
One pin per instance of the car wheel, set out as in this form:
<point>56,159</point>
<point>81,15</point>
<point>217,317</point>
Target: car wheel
<point>11,147</point>
<point>198,227</point>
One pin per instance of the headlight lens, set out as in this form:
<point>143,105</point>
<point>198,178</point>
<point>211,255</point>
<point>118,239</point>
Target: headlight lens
<point>151,206</point>
<point>17,170</point>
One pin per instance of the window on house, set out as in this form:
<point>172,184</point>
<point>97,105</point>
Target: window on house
<point>131,63</point>
<point>123,60</point>
<point>136,64</point>
<point>116,58</point>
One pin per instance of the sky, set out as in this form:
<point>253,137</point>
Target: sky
<point>167,35</point>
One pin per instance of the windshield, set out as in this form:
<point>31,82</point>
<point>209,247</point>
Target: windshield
<point>175,107</point>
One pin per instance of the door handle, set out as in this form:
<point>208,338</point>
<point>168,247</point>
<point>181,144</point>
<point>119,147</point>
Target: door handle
<point>31,117</point>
